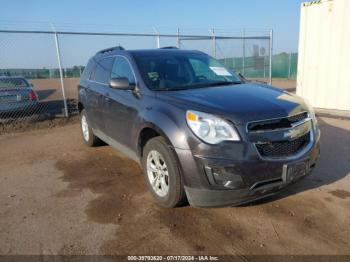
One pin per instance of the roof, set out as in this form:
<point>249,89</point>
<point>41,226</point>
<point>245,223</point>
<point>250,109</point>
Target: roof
<point>163,50</point>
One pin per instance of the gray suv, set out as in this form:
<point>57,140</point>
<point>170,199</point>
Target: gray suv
<point>199,131</point>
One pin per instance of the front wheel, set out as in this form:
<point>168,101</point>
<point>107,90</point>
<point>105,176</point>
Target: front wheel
<point>162,173</point>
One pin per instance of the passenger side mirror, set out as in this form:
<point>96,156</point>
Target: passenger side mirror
<point>121,83</point>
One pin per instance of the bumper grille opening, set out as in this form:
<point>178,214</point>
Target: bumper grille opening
<point>279,123</point>
<point>266,183</point>
<point>283,148</point>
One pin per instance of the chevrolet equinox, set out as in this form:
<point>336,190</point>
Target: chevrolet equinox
<point>199,131</point>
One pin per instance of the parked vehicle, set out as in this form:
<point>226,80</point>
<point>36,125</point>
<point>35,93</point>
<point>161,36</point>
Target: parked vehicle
<point>198,130</point>
<point>16,96</point>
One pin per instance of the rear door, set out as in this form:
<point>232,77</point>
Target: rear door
<point>121,106</point>
<point>96,92</point>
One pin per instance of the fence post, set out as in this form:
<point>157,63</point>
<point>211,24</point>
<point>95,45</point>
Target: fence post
<point>271,51</point>
<point>158,41</point>
<point>157,36</point>
<point>243,58</point>
<point>289,65</point>
<point>61,74</point>
<point>214,42</point>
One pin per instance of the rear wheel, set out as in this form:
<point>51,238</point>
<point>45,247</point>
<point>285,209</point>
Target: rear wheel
<point>88,136</point>
<point>162,173</point>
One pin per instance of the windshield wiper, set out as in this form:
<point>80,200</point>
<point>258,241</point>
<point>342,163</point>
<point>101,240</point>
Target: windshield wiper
<point>200,85</point>
<point>185,87</point>
<point>224,83</point>
<point>209,84</point>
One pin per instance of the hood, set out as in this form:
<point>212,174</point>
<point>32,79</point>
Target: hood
<point>240,103</point>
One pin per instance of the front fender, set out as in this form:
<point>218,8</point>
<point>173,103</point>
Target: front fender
<point>170,125</point>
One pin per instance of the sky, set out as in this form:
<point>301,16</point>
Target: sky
<point>229,16</point>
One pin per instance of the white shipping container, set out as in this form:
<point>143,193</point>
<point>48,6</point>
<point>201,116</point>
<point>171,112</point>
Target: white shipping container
<point>324,54</point>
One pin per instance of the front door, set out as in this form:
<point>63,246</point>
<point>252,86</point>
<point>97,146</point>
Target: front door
<point>121,106</point>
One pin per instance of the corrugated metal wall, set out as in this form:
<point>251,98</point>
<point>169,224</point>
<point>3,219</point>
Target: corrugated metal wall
<point>324,54</point>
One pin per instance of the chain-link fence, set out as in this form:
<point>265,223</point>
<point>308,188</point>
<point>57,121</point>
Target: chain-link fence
<point>40,69</point>
<point>285,65</point>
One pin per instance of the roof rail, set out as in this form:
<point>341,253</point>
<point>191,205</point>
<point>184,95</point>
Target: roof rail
<point>108,50</point>
<point>169,47</point>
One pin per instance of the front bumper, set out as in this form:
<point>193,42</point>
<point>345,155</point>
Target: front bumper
<point>251,178</point>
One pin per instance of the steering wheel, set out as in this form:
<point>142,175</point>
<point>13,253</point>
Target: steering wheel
<point>201,77</point>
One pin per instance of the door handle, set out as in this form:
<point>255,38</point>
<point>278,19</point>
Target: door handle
<point>106,95</point>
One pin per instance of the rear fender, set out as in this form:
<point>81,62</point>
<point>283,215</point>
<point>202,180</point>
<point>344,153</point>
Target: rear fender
<point>82,98</point>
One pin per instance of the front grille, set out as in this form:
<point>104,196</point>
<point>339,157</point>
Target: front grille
<point>283,148</point>
<point>278,123</point>
<point>298,117</point>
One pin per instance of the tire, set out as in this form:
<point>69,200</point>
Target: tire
<point>173,194</point>
<point>89,138</point>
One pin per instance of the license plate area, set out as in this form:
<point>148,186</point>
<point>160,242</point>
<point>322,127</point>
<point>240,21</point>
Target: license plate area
<point>295,171</point>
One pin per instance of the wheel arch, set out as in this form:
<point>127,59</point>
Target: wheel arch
<point>151,130</point>
<point>81,107</point>
<point>148,132</point>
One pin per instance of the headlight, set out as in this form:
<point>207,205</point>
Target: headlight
<point>312,115</point>
<point>211,129</point>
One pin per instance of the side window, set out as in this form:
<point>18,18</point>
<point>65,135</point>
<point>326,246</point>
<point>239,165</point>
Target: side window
<point>103,70</point>
<point>121,68</point>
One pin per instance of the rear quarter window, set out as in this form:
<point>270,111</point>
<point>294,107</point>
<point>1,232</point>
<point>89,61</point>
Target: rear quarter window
<point>102,70</point>
<point>87,70</point>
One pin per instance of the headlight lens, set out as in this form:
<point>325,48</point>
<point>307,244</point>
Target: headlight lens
<point>312,115</point>
<point>211,129</point>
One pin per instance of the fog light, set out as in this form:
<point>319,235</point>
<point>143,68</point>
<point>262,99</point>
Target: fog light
<point>219,176</point>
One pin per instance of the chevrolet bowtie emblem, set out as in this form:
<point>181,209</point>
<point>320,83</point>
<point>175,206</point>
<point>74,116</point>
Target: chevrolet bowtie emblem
<point>292,133</point>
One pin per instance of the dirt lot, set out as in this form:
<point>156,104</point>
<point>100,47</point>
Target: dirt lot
<point>50,89</point>
<point>58,196</point>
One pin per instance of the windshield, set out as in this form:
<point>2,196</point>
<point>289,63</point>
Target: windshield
<point>13,83</point>
<point>182,70</point>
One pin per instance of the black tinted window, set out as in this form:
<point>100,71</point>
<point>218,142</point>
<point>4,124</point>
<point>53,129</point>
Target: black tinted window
<point>182,70</point>
<point>121,68</point>
<point>103,70</point>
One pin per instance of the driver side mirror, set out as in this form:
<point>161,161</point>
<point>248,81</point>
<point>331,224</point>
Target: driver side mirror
<point>121,83</point>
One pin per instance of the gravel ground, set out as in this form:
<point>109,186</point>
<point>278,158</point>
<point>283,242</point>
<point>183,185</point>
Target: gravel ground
<point>58,196</point>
